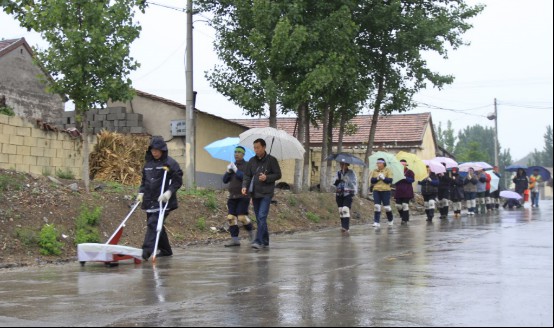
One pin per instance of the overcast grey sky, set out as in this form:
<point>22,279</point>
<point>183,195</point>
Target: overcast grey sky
<point>510,58</point>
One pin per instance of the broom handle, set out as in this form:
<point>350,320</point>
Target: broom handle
<point>160,217</point>
<point>123,223</point>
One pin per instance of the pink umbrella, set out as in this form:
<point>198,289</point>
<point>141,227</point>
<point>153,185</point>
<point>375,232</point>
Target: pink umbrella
<point>435,166</point>
<point>450,163</point>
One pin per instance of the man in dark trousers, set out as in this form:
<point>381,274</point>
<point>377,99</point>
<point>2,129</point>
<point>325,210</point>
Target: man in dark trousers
<point>404,193</point>
<point>237,204</point>
<point>259,179</point>
<point>150,194</point>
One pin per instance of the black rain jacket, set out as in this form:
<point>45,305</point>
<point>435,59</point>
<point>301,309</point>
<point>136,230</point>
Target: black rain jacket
<point>152,177</point>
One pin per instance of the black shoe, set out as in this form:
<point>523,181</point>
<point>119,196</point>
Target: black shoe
<point>145,255</point>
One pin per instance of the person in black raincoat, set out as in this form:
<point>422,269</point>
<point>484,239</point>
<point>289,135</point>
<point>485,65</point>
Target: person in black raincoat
<point>429,191</point>
<point>151,195</point>
<point>457,192</point>
<point>521,183</point>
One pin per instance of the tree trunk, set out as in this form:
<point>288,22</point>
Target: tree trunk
<point>299,163</point>
<point>341,132</point>
<point>273,113</point>
<point>330,125</point>
<point>324,150</point>
<point>369,150</point>
<point>86,178</point>
<point>307,175</point>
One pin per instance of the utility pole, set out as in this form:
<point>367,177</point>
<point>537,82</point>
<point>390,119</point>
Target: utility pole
<point>494,116</point>
<point>190,152</point>
<point>495,133</point>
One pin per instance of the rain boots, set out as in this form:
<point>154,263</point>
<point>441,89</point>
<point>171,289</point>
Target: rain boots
<point>405,215</point>
<point>430,215</point>
<point>345,225</point>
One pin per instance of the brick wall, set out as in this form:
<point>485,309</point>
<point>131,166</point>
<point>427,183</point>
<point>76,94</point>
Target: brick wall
<point>26,148</point>
<point>115,119</point>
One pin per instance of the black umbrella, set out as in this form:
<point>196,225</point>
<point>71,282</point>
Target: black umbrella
<point>346,158</point>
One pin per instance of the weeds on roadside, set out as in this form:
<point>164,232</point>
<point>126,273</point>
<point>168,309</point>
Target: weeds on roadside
<point>65,174</point>
<point>27,236</point>
<point>292,200</point>
<point>8,183</point>
<point>313,217</point>
<point>201,224</point>
<point>46,171</point>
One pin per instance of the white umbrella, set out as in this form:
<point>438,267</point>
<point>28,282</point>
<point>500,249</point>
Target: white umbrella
<point>279,143</point>
<point>495,180</point>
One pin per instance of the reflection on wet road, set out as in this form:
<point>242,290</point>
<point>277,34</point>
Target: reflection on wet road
<point>478,271</point>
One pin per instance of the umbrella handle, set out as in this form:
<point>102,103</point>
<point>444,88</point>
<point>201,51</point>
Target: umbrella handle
<point>271,147</point>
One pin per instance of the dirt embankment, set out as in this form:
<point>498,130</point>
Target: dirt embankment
<point>28,202</point>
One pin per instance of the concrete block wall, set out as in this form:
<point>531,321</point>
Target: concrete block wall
<point>26,148</point>
<point>115,119</point>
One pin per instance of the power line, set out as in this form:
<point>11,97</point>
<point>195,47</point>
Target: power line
<point>458,111</point>
<point>166,6</point>
<point>525,106</point>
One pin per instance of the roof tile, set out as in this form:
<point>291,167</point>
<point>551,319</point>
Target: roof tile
<point>403,128</point>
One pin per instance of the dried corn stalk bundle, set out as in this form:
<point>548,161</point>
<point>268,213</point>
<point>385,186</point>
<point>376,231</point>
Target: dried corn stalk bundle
<point>118,157</point>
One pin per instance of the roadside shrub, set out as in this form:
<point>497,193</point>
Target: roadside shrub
<point>7,111</point>
<point>48,240</point>
<point>86,225</point>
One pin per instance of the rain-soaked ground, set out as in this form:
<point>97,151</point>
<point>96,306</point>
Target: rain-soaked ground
<point>479,271</point>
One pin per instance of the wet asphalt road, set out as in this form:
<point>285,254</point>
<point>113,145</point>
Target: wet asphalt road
<point>481,271</point>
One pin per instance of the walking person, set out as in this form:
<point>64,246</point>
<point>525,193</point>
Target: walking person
<point>259,179</point>
<point>488,199</point>
<point>534,180</point>
<point>470,191</point>
<point>495,195</point>
<point>429,190</point>
<point>481,190</point>
<point>237,204</point>
<point>445,180</point>
<point>456,192</point>
<point>346,184</point>
<point>381,180</point>
<point>404,193</point>
<point>521,183</point>
<point>157,161</point>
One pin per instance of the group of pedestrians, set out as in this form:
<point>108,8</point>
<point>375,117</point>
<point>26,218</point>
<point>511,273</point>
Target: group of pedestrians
<point>524,185</point>
<point>444,191</point>
<point>254,182</point>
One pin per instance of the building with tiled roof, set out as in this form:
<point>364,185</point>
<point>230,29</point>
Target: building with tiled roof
<point>166,118</point>
<point>412,133</point>
<point>402,132</point>
<point>23,83</point>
